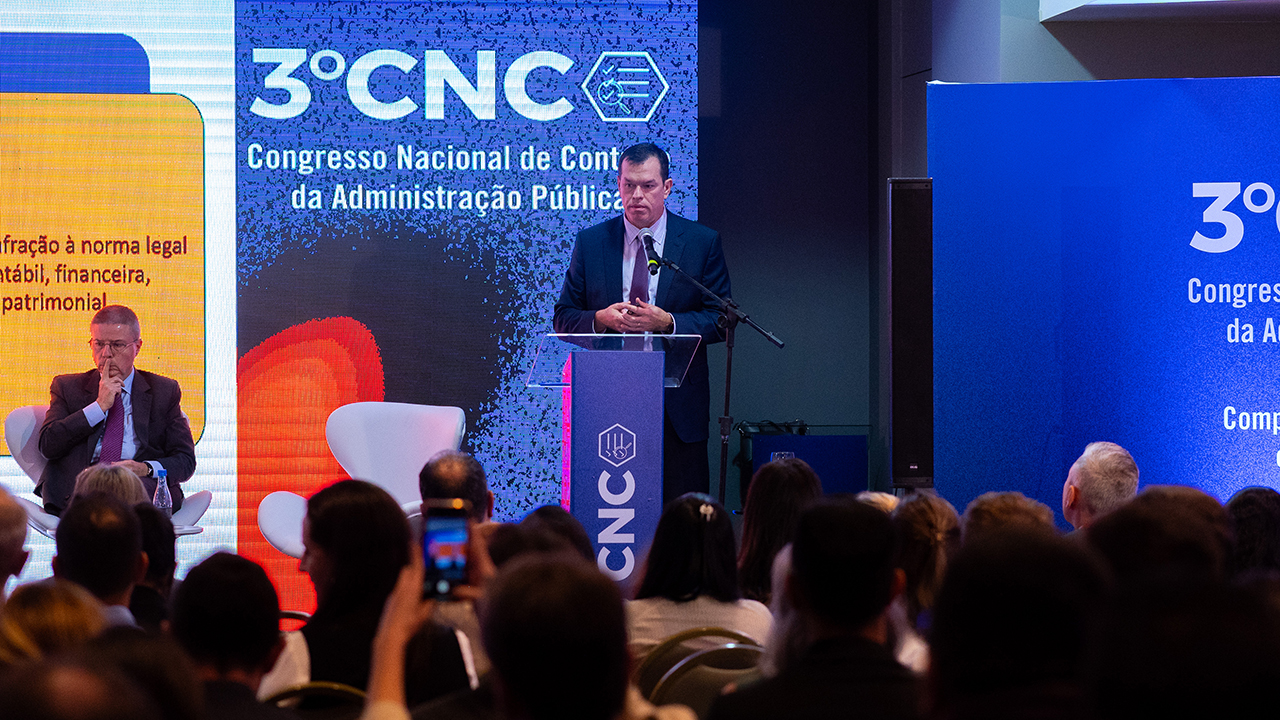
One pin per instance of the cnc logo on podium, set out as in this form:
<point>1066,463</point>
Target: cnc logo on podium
<point>617,445</point>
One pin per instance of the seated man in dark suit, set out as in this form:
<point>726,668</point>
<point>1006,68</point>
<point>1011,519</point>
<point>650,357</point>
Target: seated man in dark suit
<point>114,414</point>
<point>841,583</point>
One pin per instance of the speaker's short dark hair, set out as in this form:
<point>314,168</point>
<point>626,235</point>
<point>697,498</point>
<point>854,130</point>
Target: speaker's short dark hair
<point>226,614</point>
<point>640,152</point>
<point>99,542</point>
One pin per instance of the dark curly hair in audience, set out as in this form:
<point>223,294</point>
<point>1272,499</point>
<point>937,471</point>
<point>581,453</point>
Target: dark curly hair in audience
<point>928,535</point>
<point>692,553</point>
<point>365,536</point>
<point>1255,517</point>
<point>779,491</point>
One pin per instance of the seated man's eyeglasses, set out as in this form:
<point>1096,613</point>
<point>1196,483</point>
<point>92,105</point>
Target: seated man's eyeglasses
<point>115,345</point>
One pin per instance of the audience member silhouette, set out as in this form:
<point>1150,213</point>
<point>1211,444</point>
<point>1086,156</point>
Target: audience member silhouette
<point>453,474</point>
<point>155,664</point>
<point>115,480</point>
<point>149,602</point>
<point>226,615</point>
<point>1183,646</point>
<point>356,540</point>
<point>13,538</point>
<point>929,534</point>
<point>556,519</point>
<point>842,580</point>
<point>1010,627</point>
<point>45,618</point>
<point>99,546</point>
<point>1255,520</point>
<point>65,689</point>
<point>1002,512</point>
<point>779,490</point>
<point>1167,530</point>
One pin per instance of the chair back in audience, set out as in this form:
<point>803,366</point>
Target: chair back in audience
<point>668,653</point>
<point>699,679</point>
<point>327,700</point>
<point>388,443</point>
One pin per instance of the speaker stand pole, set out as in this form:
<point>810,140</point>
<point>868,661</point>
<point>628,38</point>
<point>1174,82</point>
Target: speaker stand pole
<point>730,315</point>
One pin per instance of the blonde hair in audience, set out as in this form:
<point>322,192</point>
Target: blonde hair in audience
<point>115,480</point>
<point>929,534</point>
<point>13,532</point>
<point>882,500</point>
<point>42,618</point>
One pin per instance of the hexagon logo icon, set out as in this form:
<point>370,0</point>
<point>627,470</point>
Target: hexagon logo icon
<point>625,86</point>
<point>617,445</point>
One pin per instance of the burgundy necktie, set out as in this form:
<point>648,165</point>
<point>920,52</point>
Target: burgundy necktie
<point>640,275</point>
<point>113,434</point>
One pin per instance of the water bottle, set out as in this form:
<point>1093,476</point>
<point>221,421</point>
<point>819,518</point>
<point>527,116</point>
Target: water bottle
<point>162,499</point>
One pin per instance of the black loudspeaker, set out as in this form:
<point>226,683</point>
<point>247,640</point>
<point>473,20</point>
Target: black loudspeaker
<point>911,331</point>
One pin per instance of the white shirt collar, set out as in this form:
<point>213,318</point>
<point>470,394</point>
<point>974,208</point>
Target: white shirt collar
<point>659,229</point>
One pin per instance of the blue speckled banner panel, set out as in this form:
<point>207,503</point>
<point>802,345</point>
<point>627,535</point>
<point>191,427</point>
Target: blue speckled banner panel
<point>423,168</point>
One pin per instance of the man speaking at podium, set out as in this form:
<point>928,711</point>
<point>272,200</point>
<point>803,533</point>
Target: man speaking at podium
<point>114,414</point>
<point>608,288</point>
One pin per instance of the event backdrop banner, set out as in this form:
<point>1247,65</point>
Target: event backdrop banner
<point>317,203</point>
<point>409,180</point>
<point>1106,267</point>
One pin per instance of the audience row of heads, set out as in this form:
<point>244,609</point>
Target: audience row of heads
<point>1110,617</point>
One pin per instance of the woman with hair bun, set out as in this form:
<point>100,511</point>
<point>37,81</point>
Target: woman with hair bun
<point>690,579</point>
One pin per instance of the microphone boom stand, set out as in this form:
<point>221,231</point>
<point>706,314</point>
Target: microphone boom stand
<point>731,315</point>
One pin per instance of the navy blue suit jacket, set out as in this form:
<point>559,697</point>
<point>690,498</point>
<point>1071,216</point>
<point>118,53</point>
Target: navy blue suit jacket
<point>160,430</point>
<point>594,281</point>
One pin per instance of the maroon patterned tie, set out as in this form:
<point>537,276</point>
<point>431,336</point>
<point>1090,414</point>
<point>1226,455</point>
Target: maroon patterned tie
<point>113,434</point>
<point>640,275</point>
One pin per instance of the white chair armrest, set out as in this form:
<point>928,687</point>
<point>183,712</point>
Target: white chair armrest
<point>280,516</point>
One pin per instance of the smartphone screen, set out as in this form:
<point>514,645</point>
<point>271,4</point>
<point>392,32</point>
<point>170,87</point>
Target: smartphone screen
<point>444,550</point>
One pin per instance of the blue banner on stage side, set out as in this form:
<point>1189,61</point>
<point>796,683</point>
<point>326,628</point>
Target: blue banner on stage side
<point>616,446</point>
<point>1106,267</point>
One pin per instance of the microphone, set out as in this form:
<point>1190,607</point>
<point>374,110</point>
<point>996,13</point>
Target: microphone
<point>646,238</point>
